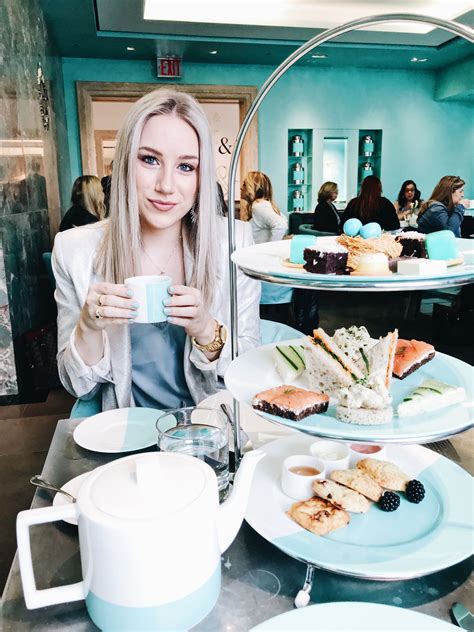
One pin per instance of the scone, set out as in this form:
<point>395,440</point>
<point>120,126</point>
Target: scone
<point>341,496</point>
<point>318,516</point>
<point>386,474</point>
<point>359,482</point>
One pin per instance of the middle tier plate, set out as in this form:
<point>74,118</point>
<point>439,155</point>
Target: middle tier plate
<point>254,371</point>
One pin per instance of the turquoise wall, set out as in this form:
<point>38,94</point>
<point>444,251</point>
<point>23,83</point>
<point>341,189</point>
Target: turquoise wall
<point>423,139</point>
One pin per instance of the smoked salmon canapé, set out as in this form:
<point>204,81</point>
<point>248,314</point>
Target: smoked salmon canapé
<point>410,355</point>
<point>290,402</point>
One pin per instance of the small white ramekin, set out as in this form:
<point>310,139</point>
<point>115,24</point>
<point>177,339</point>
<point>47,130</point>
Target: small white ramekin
<point>299,486</point>
<point>333,454</point>
<point>357,455</point>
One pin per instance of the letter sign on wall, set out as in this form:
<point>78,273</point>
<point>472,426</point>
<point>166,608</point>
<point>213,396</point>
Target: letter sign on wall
<point>169,67</point>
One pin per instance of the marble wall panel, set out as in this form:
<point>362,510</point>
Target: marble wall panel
<point>8,381</point>
<point>29,192</point>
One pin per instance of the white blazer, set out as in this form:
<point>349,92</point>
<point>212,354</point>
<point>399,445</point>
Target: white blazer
<point>72,260</point>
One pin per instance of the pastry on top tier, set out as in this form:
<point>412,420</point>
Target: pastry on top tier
<point>372,265</point>
<point>326,257</point>
<point>413,244</point>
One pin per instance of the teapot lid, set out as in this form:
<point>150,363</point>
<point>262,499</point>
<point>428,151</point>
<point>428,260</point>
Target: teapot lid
<point>148,485</point>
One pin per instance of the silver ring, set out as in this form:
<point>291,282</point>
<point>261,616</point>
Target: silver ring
<point>98,314</point>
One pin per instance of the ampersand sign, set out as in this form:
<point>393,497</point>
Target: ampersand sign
<point>224,147</point>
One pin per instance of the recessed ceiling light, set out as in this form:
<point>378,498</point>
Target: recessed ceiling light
<point>130,48</point>
<point>212,52</point>
<point>319,56</point>
<point>418,60</point>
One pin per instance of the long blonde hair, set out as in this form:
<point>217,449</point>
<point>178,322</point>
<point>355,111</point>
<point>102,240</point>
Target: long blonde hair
<point>257,186</point>
<point>87,192</point>
<point>443,192</point>
<point>119,253</point>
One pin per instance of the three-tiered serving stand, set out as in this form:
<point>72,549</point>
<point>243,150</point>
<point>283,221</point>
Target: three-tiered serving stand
<point>315,281</point>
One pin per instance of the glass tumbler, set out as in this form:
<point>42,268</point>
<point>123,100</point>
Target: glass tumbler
<point>199,432</point>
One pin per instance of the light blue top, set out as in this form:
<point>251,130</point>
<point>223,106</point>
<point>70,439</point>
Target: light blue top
<point>157,366</point>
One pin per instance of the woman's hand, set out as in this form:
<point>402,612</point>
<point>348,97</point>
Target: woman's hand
<point>185,308</point>
<point>107,304</point>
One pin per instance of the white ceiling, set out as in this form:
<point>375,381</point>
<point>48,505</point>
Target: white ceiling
<point>321,14</point>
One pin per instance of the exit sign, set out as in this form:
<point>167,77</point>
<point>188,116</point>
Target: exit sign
<point>169,67</point>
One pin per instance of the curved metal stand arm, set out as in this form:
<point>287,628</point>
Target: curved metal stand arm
<point>452,27</point>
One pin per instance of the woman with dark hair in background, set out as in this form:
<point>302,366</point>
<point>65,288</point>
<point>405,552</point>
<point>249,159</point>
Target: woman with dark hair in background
<point>326,217</point>
<point>370,206</point>
<point>408,200</point>
<point>445,208</point>
<point>87,199</point>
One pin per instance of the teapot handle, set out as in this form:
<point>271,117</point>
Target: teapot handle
<point>35,598</point>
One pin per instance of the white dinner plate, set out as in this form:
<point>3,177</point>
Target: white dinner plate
<point>414,540</point>
<point>254,372</point>
<point>120,430</point>
<point>353,616</point>
<point>71,487</point>
<point>268,258</point>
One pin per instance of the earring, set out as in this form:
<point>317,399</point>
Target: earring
<point>193,214</point>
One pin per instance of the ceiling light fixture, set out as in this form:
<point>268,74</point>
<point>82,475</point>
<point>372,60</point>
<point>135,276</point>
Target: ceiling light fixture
<point>212,52</point>
<point>416,60</point>
<point>319,56</point>
<point>130,48</point>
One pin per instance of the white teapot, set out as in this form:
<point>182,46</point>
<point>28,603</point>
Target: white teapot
<point>151,535</point>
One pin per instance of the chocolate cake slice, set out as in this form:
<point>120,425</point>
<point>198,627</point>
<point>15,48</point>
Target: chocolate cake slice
<point>290,402</point>
<point>413,244</point>
<point>326,260</point>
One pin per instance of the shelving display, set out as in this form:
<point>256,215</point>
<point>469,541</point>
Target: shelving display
<point>300,146</point>
<point>370,154</point>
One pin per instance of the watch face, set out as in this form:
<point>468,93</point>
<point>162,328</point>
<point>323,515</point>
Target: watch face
<point>223,333</point>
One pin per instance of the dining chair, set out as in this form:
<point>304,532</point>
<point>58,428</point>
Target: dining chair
<point>307,229</point>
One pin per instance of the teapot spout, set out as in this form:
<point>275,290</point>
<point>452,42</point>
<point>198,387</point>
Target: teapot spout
<point>232,511</point>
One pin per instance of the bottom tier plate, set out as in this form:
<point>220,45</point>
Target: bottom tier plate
<point>413,541</point>
<point>353,616</point>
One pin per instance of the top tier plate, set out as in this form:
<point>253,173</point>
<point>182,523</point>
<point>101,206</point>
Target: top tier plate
<point>265,262</point>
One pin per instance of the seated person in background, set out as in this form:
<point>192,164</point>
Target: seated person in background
<point>408,201</point>
<point>370,206</point>
<point>445,208</point>
<point>87,199</point>
<point>267,221</point>
<point>164,219</point>
<point>268,224</point>
<point>326,217</point>
<point>105,182</point>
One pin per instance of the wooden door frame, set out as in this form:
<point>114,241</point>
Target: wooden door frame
<point>89,91</point>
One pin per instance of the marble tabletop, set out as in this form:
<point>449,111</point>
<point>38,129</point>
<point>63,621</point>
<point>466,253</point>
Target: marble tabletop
<point>258,581</point>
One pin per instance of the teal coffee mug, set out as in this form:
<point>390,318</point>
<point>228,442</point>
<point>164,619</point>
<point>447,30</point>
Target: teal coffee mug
<point>149,291</point>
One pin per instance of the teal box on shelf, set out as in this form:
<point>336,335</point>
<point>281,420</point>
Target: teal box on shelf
<point>441,245</point>
<point>298,244</point>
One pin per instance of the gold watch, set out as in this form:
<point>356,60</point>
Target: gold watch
<point>220,336</point>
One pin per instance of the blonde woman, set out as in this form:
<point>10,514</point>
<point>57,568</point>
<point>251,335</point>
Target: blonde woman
<point>266,219</point>
<point>268,224</point>
<point>445,208</point>
<point>164,219</point>
<point>88,205</point>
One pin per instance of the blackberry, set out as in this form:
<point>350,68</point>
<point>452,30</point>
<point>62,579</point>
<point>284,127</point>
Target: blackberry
<point>415,491</point>
<point>389,501</point>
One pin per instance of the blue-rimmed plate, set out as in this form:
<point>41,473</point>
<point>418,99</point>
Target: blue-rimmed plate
<point>268,260</point>
<point>353,616</point>
<point>120,430</point>
<point>412,541</point>
<point>254,372</point>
